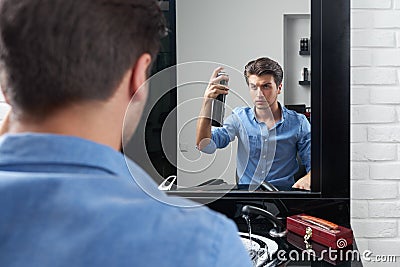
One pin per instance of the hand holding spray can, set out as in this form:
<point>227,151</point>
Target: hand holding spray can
<point>218,108</point>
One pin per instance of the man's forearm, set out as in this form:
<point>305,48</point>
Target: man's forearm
<point>203,131</point>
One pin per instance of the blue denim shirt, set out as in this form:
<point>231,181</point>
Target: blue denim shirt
<point>66,201</point>
<point>265,154</point>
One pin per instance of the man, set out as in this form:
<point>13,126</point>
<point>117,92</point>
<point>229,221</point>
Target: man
<point>269,135</point>
<point>69,70</point>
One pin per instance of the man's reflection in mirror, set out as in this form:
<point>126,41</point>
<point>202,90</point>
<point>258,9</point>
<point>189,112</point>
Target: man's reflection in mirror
<point>253,126</point>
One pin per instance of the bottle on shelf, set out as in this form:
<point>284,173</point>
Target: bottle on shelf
<point>304,46</point>
<point>305,74</point>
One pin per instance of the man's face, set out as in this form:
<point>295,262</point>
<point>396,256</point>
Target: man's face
<point>263,90</point>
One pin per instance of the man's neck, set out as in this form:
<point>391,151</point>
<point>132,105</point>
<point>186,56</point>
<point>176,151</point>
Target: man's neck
<point>270,115</point>
<point>90,123</point>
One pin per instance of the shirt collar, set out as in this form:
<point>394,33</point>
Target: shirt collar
<point>31,148</point>
<point>284,114</point>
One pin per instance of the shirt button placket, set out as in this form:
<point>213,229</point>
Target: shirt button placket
<point>264,136</point>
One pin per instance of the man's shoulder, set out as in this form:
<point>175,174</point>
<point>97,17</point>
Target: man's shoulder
<point>97,188</point>
<point>101,210</point>
<point>241,109</point>
<point>93,210</point>
<point>242,112</point>
<point>293,115</point>
<point>289,111</point>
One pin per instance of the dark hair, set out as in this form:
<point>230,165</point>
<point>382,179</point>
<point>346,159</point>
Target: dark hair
<point>262,66</point>
<point>56,52</point>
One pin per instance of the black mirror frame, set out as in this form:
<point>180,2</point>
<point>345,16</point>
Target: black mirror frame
<point>330,64</point>
<point>330,102</point>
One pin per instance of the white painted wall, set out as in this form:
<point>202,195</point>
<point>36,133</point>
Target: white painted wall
<point>375,131</point>
<point>295,28</point>
<point>3,106</point>
<point>230,33</point>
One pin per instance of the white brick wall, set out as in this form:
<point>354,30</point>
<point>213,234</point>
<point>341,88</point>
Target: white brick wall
<point>378,76</point>
<point>390,170</point>
<point>387,57</point>
<point>384,133</point>
<point>373,152</point>
<point>363,190</point>
<point>386,19</point>
<point>361,19</point>
<point>359,170</point>
<point>375,138</point>
<point>361,58</point>
<point>371,4</point>
<point>373,38</point>
<point>376,227</point>
<point>398,39</point>
<point>385,209</point>
<point>359,208</point>
<point>360,95</point>
<point>385,95</point>
<point>359,134</point>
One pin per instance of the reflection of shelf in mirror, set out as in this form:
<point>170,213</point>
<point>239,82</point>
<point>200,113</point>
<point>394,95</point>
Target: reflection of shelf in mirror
<point>306,83</point>
<point>305,53</point>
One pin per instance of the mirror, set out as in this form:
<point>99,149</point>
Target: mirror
<point>231,33</point>
<point>207,34</point>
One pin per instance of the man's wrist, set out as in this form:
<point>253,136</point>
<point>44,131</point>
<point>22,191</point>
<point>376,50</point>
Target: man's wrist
<point>207,100</point>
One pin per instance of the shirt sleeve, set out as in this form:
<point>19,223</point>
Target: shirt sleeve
<point>222,136</point>
<point>304,143</point>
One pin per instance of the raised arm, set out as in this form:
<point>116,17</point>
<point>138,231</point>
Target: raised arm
<point>203,130</point>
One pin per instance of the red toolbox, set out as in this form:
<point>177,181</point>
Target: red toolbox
<point>320,231</point>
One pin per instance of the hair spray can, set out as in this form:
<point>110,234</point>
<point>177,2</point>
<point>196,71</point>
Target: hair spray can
<point>218,108</point>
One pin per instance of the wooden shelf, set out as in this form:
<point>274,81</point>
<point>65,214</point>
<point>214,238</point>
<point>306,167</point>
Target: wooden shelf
<point>306,83</point>
<point>305,53</point>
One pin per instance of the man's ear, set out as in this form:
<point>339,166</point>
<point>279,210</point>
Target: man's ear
<point>3,91</point>
<point>279,88</point>
<point>139,74</point>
